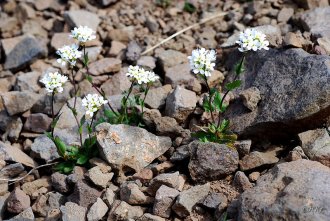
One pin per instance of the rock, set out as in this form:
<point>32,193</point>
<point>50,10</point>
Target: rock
<point>133,51</point>
<point>256,159</point>
<point>117,140</point>
<point>181,75</point>
<point>76,18</point>
<point>46,203</point>
<point>44,148</point>
<point>97,210</point>
<point>117,84</point>
<point>32,188</point>
<point>105,3</point>
<point>204,161</point>
<point>285,193</point>
<point>93,53</point>
<point>296,154</point>
<point>73,212</point>
<point>18,201</point>
<point>28,81</point>
<point>76,175</point>
<point>3,199</point>
<point>22,50</point>
<point>241,181</point>
<point>123,211</point>
<point>156,97</point>
<point>310,4</point>
<point>167,126</point>
<point>279,72</point>
<point>150,217</point>
<point>316,145</point>
<point>6,84</point>
<point>173,180</point>
<point>164,199</point>
<point>251,98</point>
<point>116,48</point>
<point>180,103</point>
<point>293,39</point>
<point>109,197</point>
<point>144,175</point>
<point>38,123</point>
<point>59,182</point>
<point>213,200</point>
<point>61,39</point>
<point>314,21</point>
<point>19,101</point>
<point>285,14</point>
<point>254,176</point>
<point>102,165</point>
<point>152,24</point>
<point>98,177</point>
<point>105,65</point>
<point>26,215</point>
<point>170,58</point>
<point>187,199</point>
<point>83,194</point>
<point>11,153</point>
<point>215,79</point>
<point>130,193</point>
<point>14,128</point>
<point>325,43</point>
<point>148,62</point>
<point>243,147</point>
<point>123,35</point>
<point>11,170</point>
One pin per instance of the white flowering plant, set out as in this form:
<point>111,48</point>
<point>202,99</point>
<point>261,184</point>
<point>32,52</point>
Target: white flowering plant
<point>202,63</point>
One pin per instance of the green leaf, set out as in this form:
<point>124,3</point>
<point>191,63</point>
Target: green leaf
<point>86,60</point>
<point>83,120</point>
<point>224,125</point>
<point>82,159</point>
<point>90,142</point>
<point>232,85</point>
<point>206,105</point>
<point>239,68</point>
<point>64,167</point>
<point>188,7</point>
<point>61,146</point>
<point>55,120</point>
<point>89,78</point>
<point>217,100</point>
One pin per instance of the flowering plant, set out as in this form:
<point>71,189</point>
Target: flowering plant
<point>202,62</point>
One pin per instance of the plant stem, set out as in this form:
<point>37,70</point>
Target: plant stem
<point>75,88</point>
<point>126,98</point>
<point>210,98</point>
<point>145,95</point>
<point>94,86</point>
<point>90,126</point>
<point>226,93</point>
<point>52,107</point>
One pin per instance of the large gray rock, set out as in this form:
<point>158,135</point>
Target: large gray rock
<point>21,50</point>
<point>204,161</point>
<point>316,145</point>
<point>295,94</point>
<point>298,190</point>
<point>77,18</point>
<point>128,148</point>
<point>18,102</point>
<point>315,21</point>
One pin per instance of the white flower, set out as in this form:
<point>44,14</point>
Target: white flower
<point>252,39</point>
<point>92,103</point>
<point>69,54</point>
<point>54,82</point>
<point>83,34</point>
<point>141,75</point>
<point>202,61</point>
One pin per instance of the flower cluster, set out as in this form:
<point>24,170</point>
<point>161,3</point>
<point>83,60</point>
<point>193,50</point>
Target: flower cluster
<point>252,39</point>
<point>92,103</point>
<point>83,34</point>
<point>141,75</point>
<point>202,61</point>
<point>54,82</point>
<point>69,54</point>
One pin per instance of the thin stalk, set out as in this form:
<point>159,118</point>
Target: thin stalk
<point>90,126</point>
<point>75,88</point>
<point>226,93</point>
<point>126,98</point>
<point>94,86</point>
<point>210,98</point>
<point>53,115</point>
<point>145,95</point>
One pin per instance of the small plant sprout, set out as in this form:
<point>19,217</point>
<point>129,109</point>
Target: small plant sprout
<point>202,63</point>
<point>83,34</point>
<point>68,55</point>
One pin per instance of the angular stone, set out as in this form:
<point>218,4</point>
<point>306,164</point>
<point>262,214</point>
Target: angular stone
<point>11,170</point>
<point>117,84</point>
<point>285,14</point>
<point>130,193</point>
<point>26,215</point>
<point>173,180</point>
<point>251,98</point>
<point>204,161</point>
<point>213,200</point>
<point>18,102</point>
<point>109,197</point>
<point>315,21</point>
<point>31,188</point>
<point>278,72</point>
<point>310,4</point>
<point>187,199</point>
<point>123,211</point>
<point>241,181</point>
<point>133,51</point>
<point>28,81</point>
<point>59,182</point>
<point>97,210</point>
<point>256,159</point>
<point>324,43</point>
<point>293,39</point>
<point>21,50</point>
<point>84,195</point>
<point>76,18</point>
<point>116,48</point>
<point>148,62</point>
<point>44,148</point>
<point>98,177</point>
<point>150,217</point>
<point>11,153</point>
<point>285,193</point>
<point>105,65</point>
<point>181,75</point>
<point>115,145</point>
<point>316,145</point>
<point>156,97</point>
<point>180,103</point>
<point>18,201</point>
<point>170,58</point>
<point>38,123</point>
<point>105,3</point>
<point>61,39</point>
<point>243,147</point>
<point>73,212</point>
<point>164,200</point>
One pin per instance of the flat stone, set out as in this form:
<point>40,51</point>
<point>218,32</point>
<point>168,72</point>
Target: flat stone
<point>164,200</point>
<point>98,177</point>
<point>28,81</point>
<point>44,148</point>
<point>170,58</point>
<point>76,18</point>
<point>173,180</point>
<point>115,145</point>
<point>124,211</point>
<point>105,65</point>
<point>59,182</point>
<point>18,201</point>
<point>315,21</point>
<point>97,210</point>
<point>73,212</point>
<point>18,102</point>
<point>156,97</point>
<point>117,84</point>
<point>11,153</point>
<point>61,39</point>
<point>130,193</point>
<point>150,217</point>
<point>116,48</point>
<point>38,123</point>
<point>148,62</point>
<point>285,14</point>
<point>83,194</point>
